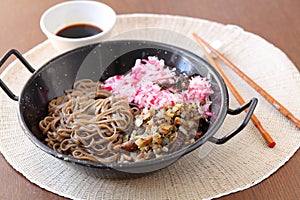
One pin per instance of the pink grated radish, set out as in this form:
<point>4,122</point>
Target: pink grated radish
<point>143,85</point>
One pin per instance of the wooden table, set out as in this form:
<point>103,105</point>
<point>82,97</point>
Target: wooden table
<point>277,21</point>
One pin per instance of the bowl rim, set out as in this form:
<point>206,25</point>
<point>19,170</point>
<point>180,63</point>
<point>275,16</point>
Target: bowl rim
<point>51,35</point>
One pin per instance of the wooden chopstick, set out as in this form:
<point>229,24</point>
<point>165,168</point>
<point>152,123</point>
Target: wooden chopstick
<point>236,94</point>
<point>260,90</point>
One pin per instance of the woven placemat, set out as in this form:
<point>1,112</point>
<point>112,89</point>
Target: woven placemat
<point>208,172</point>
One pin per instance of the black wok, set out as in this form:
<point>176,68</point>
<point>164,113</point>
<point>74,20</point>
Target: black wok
<point>100,61</point>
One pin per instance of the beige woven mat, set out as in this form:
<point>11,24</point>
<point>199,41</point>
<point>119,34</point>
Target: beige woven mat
<point>210,171</point>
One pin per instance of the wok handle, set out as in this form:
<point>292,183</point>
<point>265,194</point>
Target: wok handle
<point>251,105</point>
<point>23,61</point>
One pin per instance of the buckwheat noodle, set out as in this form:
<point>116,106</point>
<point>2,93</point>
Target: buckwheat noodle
<point>87,123</point>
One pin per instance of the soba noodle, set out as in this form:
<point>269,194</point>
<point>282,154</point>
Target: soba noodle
<point>87,123</point>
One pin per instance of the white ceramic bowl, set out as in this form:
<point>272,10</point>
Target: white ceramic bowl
<point>77,12</point>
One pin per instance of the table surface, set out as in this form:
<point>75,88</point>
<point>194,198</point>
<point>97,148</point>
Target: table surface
<point>277,21</point>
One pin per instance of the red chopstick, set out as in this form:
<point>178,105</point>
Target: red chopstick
<point>236,94</point>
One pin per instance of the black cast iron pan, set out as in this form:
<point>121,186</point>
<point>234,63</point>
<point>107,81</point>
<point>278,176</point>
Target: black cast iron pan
<point>98,62</point>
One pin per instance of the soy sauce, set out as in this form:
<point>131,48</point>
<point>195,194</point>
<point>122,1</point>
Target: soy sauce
<point>79,31</point>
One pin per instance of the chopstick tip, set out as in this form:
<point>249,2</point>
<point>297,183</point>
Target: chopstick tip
<point>272,144</point>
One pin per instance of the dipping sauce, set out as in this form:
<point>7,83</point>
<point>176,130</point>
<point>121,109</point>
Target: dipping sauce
<point>79,31</point>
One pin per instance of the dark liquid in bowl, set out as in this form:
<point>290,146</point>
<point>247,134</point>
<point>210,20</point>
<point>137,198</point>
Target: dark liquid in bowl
<point>79,31</point>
